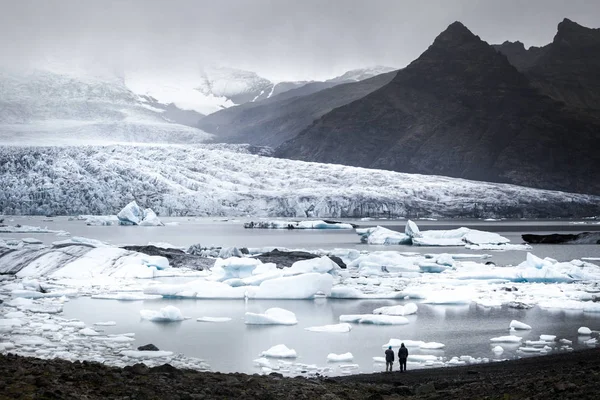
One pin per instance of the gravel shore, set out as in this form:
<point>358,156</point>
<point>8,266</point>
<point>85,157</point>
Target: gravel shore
<point>573,375</point>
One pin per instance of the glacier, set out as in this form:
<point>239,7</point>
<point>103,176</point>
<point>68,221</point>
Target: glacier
<point>221,180</point>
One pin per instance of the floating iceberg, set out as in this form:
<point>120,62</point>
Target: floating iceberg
<point>305,286</point>
<point>213,319</point>
<point>374,319</point>
<point>165,314</point>
<point>233,267</point>
<point>336,328</point>
<point>498,350</point>
<point>407,309</point>
<point>273,316</point>
<point>101,220</point>
<point>506,339</point>
<point>332,357</point>
<point>514,324</point>
<point>321,265</point>
<point>584,330</point>
<point>381,235</point>
<point>132,214</point>
<point>316,224</point>
<point>279,351</point>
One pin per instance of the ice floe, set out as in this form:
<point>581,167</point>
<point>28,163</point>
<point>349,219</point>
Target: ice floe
<point>407,309</point>
<point>584,330</point>
<point>132,214</point>
<point>273,316</point>
<point>335,328</point>
<point>374,319</point>
<point>213,319</point>
<point>279,351</point>
<point>332,357</point>
<point>165,314</point>
<point>506,339</point>
<point>517,325</point>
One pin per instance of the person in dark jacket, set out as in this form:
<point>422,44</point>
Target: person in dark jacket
<point>402,356</point>
<point>389,359</point>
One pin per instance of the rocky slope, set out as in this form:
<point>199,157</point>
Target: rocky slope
<point>462,110</point>
<point>565,376</point>
<point>280,118</point>
<point>566,69</point>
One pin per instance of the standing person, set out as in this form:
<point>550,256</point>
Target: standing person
<point>389,359</point>
<point>402,356</point>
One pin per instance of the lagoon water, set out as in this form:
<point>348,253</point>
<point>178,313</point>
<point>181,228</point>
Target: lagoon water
<point>232,346</point>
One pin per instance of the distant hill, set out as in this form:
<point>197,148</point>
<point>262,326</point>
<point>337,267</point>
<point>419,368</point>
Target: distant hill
<point>273,121</point>
<point>462,110</point>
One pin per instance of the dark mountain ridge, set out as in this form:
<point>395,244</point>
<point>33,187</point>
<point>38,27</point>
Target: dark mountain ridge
<point>461,110</point>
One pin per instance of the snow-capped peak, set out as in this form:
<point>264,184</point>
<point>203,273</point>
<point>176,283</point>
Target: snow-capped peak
<point>361,74</point>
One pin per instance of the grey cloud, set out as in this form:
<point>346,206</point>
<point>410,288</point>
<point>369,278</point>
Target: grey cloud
<point>279,39</point>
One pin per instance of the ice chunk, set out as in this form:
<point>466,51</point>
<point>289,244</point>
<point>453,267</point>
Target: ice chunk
<point>141,354</point>
<point>200,288</point>
<point>101,220</point>
<point>88,332</point>
<point>381,235</point>
<point>332,357</point>
<point>506,339</point>
<point>273,316</point>
<point>407,309</point>
<point>213,319</point>
<point>374,319</point>
<point>105,323</point>
<point>412,230</point>
<point>448,297</point>
<point>321,265</point>
<point>233,267</point>
<point>305,286</point>
<point>228,252</point>
<point>125,296</point>
<point>379,360</point>
<point>131,214</point>
<point>262,362</point>
<point>336,328</point>
<point>165,314</point>
<point>498,350</point>
<point>431,346</point>
<point>150,218</point>
<point>80,240</point>
<point>279,351</point>
<point>548,338</point>
<point>514,324</point>
<point>584,330</point>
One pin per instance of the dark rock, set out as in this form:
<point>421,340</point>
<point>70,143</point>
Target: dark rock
<point>425,388</point>
<point>472,372</point>
<point>462,110</point>
<point>276,375</point>
<point>148,347</point>
<point>285,259</point>
<point>166,369</point>
<point>177,258</point>
<point>560,238</point>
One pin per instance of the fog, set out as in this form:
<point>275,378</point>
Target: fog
<point>279,39</point>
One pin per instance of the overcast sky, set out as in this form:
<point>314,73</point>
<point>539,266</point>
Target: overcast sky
<point>279,39</point>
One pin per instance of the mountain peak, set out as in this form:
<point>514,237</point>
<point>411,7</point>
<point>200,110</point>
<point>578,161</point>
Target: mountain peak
<point>456,34</point>
<point>573,34</point>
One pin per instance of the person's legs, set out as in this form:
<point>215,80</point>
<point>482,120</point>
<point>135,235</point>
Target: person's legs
<point>403,364</point>
<point>387,366</point>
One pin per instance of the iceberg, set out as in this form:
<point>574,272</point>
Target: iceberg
<point>273,316</point>
<point>514,324</point>
<point>382,236</point>
<point>165,314</point>
<point>374,319</point>
<point>213,319</point>
<point>305,286</point>
<point>321,265</point>
<point>412,230</point>
<point>145,354</point>
<point>101,220</point>
<point>201,289</point>
<point>506,339</point>
<point>335,328</point>
<point>279,351</point>
<point>315,224</point>
<point>407,309</point>
<point>132,214</point>
<point>88,332</point>
<point>584,331</point>
<point>498,350</point>
<point>233,267</point>
<point>332,357</point>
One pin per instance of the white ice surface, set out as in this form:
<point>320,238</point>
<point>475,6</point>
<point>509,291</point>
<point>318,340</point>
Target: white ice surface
<point>407,309</point>
<point>584,330</point>
<point>279,351</point>
<point>345,357</point>
<point>517,325</point>
<point>374,319</point>
<point>213,319</point>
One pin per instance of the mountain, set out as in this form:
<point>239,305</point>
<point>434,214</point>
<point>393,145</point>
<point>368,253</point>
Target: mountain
<point>361,74</point>
<point>462,110</point>
<point>225,180</point>
<point>274,120</point>
<point>45,106</point>
<point>566,69</point>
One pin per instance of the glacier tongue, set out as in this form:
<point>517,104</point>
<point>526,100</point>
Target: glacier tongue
<point>225,180</point>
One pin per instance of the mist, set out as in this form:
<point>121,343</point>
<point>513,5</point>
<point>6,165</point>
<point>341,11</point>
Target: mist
<point>280,40</point>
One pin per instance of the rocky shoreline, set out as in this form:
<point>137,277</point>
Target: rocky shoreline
<point>573,375</point>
